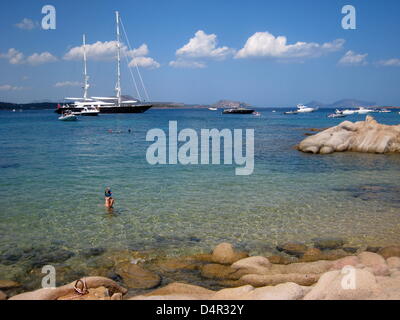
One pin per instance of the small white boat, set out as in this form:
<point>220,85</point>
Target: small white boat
<point>257,114</point>
<point>362,110</point>
<point>301,108</point>
<point>384,111</point>
<point>291,112</point>
<point>336,115</point>
<point>213,109</point>
<point>89,111</point>
<point>14,110</point>
<point>68,117</point>
<point>348,112</point>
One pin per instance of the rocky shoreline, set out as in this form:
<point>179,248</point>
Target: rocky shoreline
<point>367,136</point>
<point>298,271</point>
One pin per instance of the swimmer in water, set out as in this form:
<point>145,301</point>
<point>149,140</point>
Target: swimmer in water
<point>109,201</point>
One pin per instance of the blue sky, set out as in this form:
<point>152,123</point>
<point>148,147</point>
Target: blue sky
<point>203,51</point>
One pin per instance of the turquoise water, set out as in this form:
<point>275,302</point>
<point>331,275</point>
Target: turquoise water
<point>53,175</point>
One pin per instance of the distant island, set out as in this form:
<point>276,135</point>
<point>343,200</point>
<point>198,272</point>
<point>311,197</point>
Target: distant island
<point>344,103</point>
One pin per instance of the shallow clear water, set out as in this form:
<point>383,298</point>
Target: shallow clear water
<point>53,175</point>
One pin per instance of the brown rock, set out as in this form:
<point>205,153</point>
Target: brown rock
<point>293,248</point>
<point>257,280</point>
<point>225,254</point>
<point>312,254</point>
<point>257,265</point>
<point>178,288</point>
<point>136,277</point>
<point>8,284</point>
<point>100,293</point>
<point>219,271</point>
<point>391,251</point>
<point>280,260</point>
<point>393,262</point>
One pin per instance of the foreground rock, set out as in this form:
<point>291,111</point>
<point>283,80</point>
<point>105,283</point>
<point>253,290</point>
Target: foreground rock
<point>99,288</point>
<point>362,136</point>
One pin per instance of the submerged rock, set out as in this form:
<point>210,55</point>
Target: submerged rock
<point>8,284</point>
<point>362,136</point>
<point>293,248</point>
<point>136,277</point>
<point>225,254</point>
<point>328,243</point>
<point>391,251</point>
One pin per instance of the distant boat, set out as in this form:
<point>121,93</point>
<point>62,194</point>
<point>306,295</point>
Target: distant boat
<point>384,111</point>
<point>14,110</point>
<point>336,115</point>
<point>213,109</point>
<point>362,110</point>
<point>238,111</point>
<point>291,112</point>
<point>304,109</point>
<point>348,112</point>
<point>257,114</point>
<point>301,108</point>
<point>68,116</point>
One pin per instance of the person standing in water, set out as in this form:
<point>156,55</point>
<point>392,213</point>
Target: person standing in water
<point>109,201</point>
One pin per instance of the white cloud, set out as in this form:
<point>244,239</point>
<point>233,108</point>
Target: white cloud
<point>180,63</point>
<point>40,58</point>
<point>7,87</point>
<point>264,44</point>
<point>390,63</point>
<point>16,57</point>
<point>26,24</point>
<point>67,84</point>
<point>144,62</point>
<point>201,46</point>
<point>13,56</point>
<point>105,51</point>
<point>353,59</point>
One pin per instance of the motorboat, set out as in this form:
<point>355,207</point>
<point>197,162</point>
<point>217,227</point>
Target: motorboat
<point>384,111</point>
<point>362,110</point>
<point>304,109</point>
<point>291,112</point>
<point>238,111</point>
<point>257,114</point>
<point>348,112</point>
<point>89,111</point>
<point>336,115</point>
<point>213,109</point>
<point>68,116</point>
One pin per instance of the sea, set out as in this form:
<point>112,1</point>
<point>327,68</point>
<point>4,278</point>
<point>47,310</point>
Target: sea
<point>53,175</point>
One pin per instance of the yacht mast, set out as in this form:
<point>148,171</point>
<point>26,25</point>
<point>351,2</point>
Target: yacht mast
<point>85,76</point>
<point>118,86</point>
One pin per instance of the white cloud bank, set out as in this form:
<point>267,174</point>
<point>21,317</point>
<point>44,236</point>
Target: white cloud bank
<point>390,63</point>
<point>16,57</point>
<point>107,50</point>
<point>201,46</point>
<point>266,45</point>
<point>67,84</point>
<point>353,59</point>
<point>27,24</point>
<point>8,87</point>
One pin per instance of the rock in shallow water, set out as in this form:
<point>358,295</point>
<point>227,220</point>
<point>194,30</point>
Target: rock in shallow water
<point>136,277</point>
<point>293,248</point>
<point>328,243</point>
<point>225,254</point>
<point>362,136</point>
